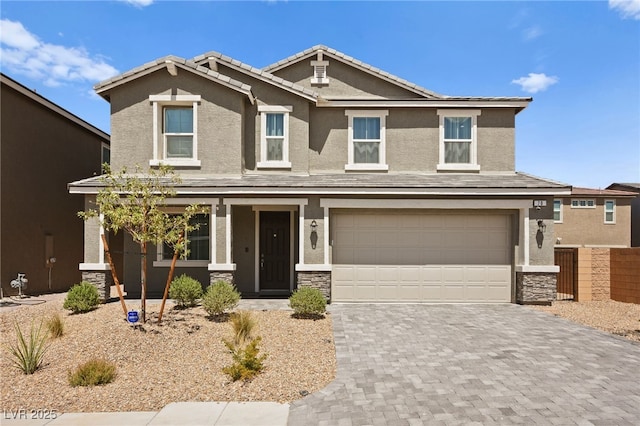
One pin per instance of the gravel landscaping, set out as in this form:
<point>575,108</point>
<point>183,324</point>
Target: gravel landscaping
<point>179,360</point>
<point>622,319</point>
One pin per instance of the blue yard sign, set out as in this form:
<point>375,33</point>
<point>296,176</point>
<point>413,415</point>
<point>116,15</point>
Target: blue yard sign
<point>133,317</point>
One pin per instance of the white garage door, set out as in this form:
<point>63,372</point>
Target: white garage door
<point>421,257</point>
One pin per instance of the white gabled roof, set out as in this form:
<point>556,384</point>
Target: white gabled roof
<point>377,72</point>
<point>257,73</point>
<point>168,62</point>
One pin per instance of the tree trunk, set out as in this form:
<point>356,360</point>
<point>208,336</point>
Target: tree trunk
<point>114,275</point>
<point>143,271</point>
<point>169,278</point>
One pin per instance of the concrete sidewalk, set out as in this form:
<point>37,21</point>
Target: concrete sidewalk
<point>176,413</point>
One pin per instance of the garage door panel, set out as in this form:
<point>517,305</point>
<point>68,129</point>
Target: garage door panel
<point>421,257</point>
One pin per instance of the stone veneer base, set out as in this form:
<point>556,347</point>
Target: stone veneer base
<point>316,279</point>
<point>221,275</point>
<point>102,280</point>
<point>536,288</point>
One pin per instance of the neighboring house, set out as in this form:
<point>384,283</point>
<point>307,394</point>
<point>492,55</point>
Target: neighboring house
<point>635,209</point>
<point>321,170</point>
<point>593,218</point>
<point>43,147</point>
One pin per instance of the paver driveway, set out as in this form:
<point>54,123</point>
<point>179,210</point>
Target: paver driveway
<point>466,364</point>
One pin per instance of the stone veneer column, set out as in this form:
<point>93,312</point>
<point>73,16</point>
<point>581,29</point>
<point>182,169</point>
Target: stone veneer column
<point>102,280</point>
<point>227,276</point>
<point>316,279</point>
<point>536,288</point>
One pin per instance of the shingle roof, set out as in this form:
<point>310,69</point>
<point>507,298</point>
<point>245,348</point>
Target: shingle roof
<point>631,186</point>
<point>365,183</point>
<point>355,62</point>
<point>256,72</point>
<point>601,192</point>
<point>108,84</point>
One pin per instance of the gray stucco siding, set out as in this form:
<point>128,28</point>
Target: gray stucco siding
<point>496,140</point>
<point>412,140</point>
<point>344,80</point>
<point>219,122</point>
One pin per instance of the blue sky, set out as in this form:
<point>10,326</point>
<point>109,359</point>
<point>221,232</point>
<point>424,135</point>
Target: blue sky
<point>580,61</point>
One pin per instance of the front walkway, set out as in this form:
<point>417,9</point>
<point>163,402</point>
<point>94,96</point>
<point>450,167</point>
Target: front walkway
<point>472,364</point>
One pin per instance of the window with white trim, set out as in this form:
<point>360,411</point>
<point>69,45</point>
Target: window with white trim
<point>609,211</point>
<point>175,135</point>
<point>274,136</point>
<point>198,241</point>
<point>583,204</point>
<point>557,211</point>
<point>366,144</point>
<point>458,148</point>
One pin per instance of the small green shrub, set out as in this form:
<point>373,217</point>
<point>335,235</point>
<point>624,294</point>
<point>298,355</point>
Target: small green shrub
<point>246,362</point>
<point>186,291</point>
<point>220,297</point>
<point>82,297</point>
<point>308,302</point>
<point>243,324</point>
<point>55,325</point>
<point>29,350</point>
<point>93,372</point>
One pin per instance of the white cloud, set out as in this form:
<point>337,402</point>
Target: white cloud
<point>535,83</point>
<point>138,3</point>
<point>627,8</point>
<point>23,53</point>
<point>532,33</point>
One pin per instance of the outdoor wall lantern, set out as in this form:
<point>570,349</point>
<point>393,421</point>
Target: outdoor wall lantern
<point>541,226</point>
<point>314,235</point>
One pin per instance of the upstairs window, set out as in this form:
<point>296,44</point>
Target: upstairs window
<point>583,204</point>
<point>458,140</point>
<point>557,211</point>
<point>175,136</point>
<point>178,132</point>
<point>609,211</point>
<point>274,140</point>
<point>366,145</point>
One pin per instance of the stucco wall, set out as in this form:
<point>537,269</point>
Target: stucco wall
<point>313,211</point>
<point>541,241</point>
<point>585,226</point>
<point>42,152</point>
<point>220,121</point>
<point>343,80</point>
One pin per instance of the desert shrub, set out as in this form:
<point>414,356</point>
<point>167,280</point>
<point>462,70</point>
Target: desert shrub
<point>186,291</point>
<point>246,361</point>
<point>93,372</point>
<point>55,325</point>
<point>82,297</point>
<point>308,302</point>
<point>243,324</point>
<point>220,297</point>
<point>28,351</point>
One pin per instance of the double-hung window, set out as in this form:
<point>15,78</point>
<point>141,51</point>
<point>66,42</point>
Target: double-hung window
<point>274,139</point>
<point>609,211</point>
<point>366,145</point>
<point>175,135</point>
<point>458,140</point>
<point>198,243</point>
<point>557,211</point>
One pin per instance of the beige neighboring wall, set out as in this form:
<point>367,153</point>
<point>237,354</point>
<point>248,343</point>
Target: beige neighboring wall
<point>586,227</point>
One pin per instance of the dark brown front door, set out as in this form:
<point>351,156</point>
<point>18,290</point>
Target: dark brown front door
<point>275,246</point>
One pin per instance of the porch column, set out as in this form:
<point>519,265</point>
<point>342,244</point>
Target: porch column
<point>221,271</point>
<point>94,269</point>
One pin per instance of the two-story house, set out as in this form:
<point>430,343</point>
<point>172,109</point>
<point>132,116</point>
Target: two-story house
<point>321,170</point>
<point>43,148</point>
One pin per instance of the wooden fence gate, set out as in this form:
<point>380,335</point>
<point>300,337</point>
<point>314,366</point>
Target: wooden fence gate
<point>567,260</point>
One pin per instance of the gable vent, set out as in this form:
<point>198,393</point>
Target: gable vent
<point>319,70</point>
